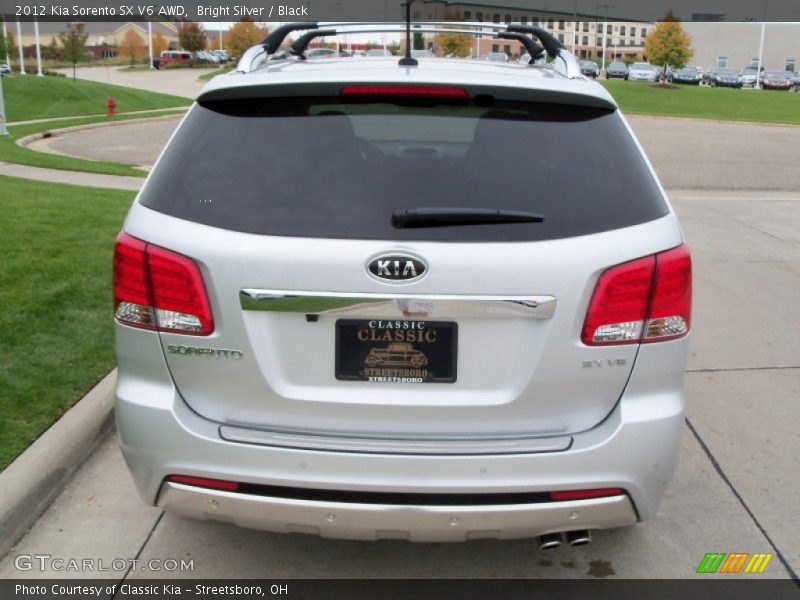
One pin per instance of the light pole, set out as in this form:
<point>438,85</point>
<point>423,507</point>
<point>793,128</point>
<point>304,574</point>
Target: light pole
<point>38,49</point>
<point>574,25</point>
<point>21,53</point>
<point>150,42</point>
<point>605,27</point>
<point>3,130</point>
<point>757,84</point>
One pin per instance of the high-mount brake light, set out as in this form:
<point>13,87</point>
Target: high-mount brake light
<point>155,288</point>
<point>441,92</point>
<point>645,300</point>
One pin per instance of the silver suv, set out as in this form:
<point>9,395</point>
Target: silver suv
<point>364,321</point>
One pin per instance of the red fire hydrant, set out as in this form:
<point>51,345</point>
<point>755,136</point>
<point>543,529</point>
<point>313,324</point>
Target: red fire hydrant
<point>111,106</point>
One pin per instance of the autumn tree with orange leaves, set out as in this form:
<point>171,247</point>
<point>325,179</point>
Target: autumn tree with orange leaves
<point>242,36</point>
<point>668,44</point>
<point>132,46</point>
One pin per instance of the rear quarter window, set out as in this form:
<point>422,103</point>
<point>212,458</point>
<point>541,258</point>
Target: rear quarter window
<point>332,168</point>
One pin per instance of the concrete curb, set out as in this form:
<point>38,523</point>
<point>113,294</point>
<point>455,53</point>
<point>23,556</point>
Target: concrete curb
<point>34,137</point>
<point>37,476</point>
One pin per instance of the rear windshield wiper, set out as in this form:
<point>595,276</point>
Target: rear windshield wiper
<point>441,217</point>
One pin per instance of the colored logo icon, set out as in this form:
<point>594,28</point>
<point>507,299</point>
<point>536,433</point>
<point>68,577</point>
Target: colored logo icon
<point>734,563</point>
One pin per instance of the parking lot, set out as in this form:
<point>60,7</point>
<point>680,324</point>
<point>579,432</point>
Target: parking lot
<point>735,188</point>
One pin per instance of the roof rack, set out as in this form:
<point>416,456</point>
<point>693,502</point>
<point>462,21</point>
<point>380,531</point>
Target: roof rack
<point>563,62</point>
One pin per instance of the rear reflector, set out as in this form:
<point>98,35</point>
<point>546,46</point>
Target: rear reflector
<point>158,289</point>
<point>645,300</point>
<point>405,91</point>
<point>217,484</point>
<point>586,494</point>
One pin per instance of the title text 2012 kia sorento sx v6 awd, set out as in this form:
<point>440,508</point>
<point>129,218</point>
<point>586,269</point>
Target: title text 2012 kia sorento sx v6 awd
<point>363,320</point>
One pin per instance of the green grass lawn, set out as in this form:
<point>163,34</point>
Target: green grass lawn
<point>215,72</point>
<point>724,104</point>
<point>56,334</point>
<point>11,152</point>
<point>30,97</point>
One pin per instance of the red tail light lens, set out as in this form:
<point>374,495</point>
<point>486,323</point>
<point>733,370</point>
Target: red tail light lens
<point>619,304</point>
<point>405,91</point>
<point>158,289</point>
<point>645,300</point>
<point>671,308</point>
<point>217,484</point>
<point>132,303</point>
<point>586,494</point>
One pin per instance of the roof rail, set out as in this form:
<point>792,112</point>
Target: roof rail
<point>564,63</point>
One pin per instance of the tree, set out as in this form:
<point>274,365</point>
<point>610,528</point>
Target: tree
<point>50,51</point>
<point>454,44</point>
<point>132,46</point>
<point>73,42</point>
<point>419,41</point>
<point>159,44</point>
<point>192,37</point>
<point>242,36</point>
<point>668,44</point>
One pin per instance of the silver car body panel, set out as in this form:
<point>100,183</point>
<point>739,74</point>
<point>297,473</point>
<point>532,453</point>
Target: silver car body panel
<point>276,415</point>
<point>420,523</point>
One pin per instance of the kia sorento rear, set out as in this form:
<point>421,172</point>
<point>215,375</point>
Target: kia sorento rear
<point>364,320</point>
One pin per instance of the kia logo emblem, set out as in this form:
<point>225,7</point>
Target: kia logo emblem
<point>397,268</point>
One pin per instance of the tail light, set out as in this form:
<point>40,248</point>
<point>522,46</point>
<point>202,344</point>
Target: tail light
<point>646,300</point>
<point>158,289</point>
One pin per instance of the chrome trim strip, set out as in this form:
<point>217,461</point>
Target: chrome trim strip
<point>529,445</point>
<point>417,523</point>
<point>399,305</point>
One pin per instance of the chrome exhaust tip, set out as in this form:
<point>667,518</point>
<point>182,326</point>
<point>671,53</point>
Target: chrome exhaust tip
<point>549,541</point>
<point>580,537</point>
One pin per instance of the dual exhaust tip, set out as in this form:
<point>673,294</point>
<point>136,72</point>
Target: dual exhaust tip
<point>550,541</point>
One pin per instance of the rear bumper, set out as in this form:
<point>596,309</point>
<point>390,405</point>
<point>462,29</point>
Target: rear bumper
<point>635,448</point>
<point>415,523</point>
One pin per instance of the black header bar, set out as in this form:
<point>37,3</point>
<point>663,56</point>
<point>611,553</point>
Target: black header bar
<point>392,10</point>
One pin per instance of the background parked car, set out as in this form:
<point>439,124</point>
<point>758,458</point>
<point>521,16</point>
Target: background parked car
<point>321,53</point>
<point>776,80</point>
<point>749,76</point>
<point>4,69</point>
<point>642,71</point>
<point>169,56</point>
<point>496,57</point>
<point>208,57</point>
<point>222,55</point>
<point>422,54</point>
<point>378,52</point>
<point>725,78</point>
<point>687,75</point>
<point>708,75</point>
<point>617,70</point>
<point>589,69</point>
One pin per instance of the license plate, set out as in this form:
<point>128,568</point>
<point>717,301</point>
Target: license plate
<point>396,351</point>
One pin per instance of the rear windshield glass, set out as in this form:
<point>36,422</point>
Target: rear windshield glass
<point>327,167</point>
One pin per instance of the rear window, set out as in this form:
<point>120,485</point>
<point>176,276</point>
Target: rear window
<point>339,168</point>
